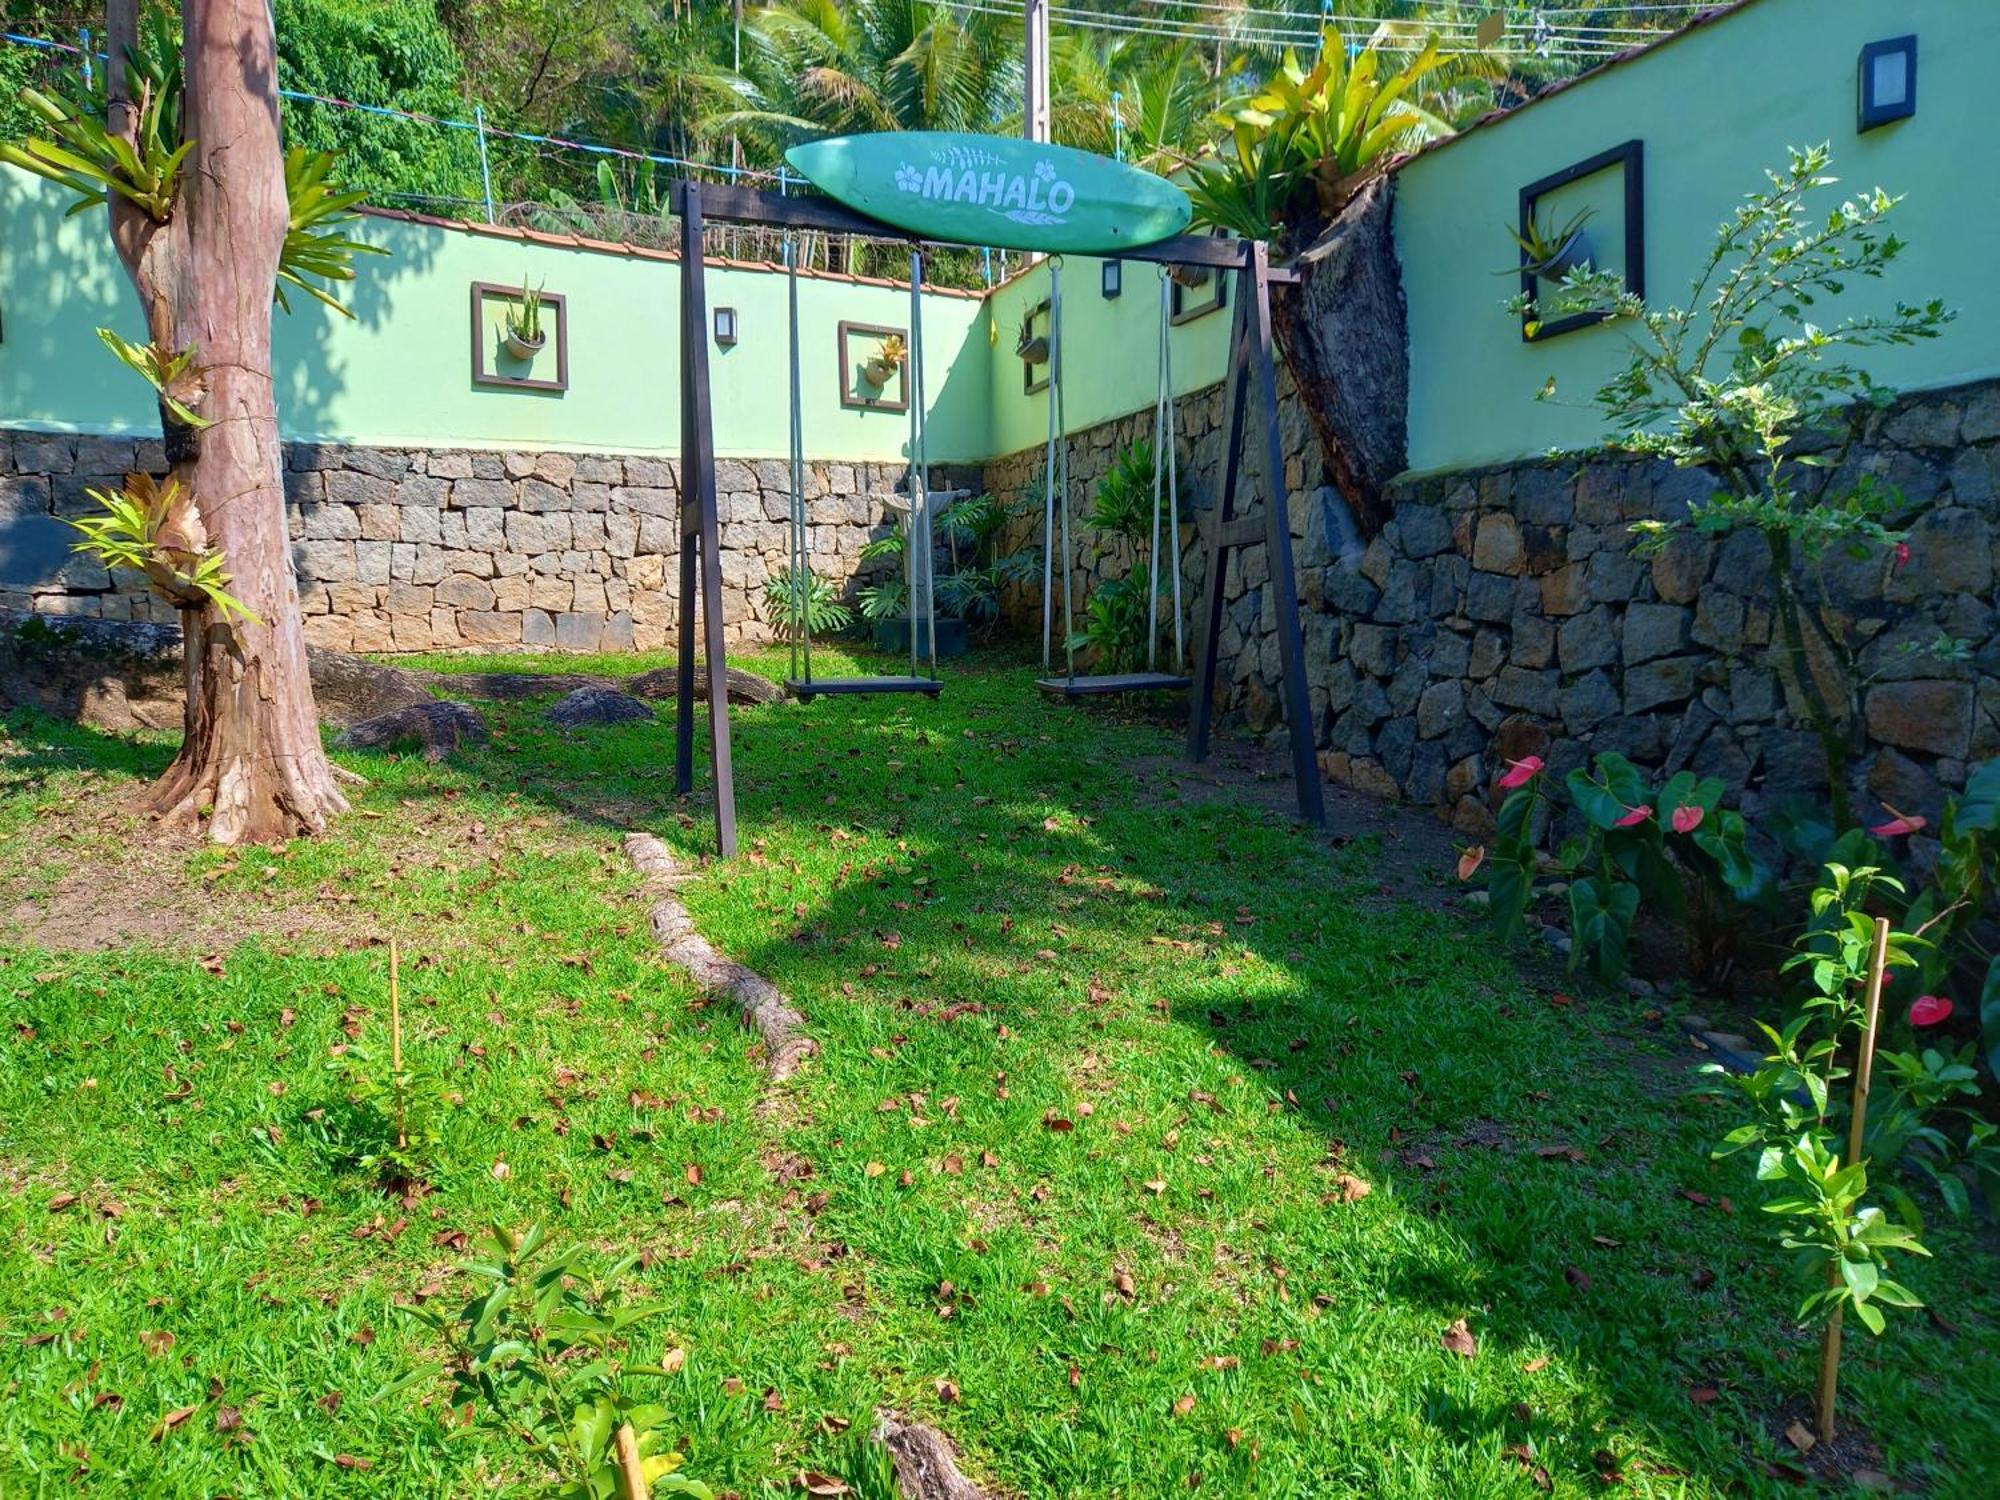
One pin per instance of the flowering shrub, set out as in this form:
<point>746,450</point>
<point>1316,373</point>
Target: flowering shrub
<point>1675,848</point>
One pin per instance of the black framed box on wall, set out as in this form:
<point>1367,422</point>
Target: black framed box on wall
<point>1886,83</point>
<point>1597,208</point>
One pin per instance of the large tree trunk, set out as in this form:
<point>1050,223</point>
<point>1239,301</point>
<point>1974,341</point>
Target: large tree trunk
<point>1344,332</point>
<point>251,757</point>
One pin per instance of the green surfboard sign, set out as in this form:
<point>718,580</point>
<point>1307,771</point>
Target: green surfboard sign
<point>995,190</point>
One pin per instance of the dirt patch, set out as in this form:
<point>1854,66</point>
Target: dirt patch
<point>111,877</point>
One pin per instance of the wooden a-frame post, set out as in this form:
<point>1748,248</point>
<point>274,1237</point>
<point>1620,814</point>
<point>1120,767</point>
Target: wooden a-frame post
<point>701,562</point>
<point>1250,360</point>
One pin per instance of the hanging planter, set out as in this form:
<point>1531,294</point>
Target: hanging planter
<point>885,362</point>
<point>1552,254</point>
<point>524,335</point>
<point>1031,346</point>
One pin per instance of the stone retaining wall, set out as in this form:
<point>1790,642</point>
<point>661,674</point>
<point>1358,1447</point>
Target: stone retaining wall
<point>1503,612</point>
<point>420,550</point>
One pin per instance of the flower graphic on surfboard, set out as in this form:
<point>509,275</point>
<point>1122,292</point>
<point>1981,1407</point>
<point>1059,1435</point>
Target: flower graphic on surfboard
<point>993,190</point>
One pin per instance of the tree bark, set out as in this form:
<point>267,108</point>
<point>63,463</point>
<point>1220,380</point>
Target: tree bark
<point>1344,333</point>
<point>250,757</point>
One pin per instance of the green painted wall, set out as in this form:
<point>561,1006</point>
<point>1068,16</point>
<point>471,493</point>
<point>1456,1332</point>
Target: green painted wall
<point>1110,350</point>
<point>1714,107</point>
<point>399,373</point>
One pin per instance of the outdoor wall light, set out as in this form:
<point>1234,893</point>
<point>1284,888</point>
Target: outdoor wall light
<point>1888,82</point>
<point>725,326</point>
<point>1114,277</point>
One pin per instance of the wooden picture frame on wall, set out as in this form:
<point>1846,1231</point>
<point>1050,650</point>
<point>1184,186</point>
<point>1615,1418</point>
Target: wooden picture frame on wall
<point>1629,158</point>
<point>1035,377</point>
<point>854,387</point>
<point>496,369</point>
<point>1208,294</point>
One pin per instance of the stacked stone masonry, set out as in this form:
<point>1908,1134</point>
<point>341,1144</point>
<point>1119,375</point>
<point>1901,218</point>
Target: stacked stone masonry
<point>1504,612</point>
<point>413,550</point>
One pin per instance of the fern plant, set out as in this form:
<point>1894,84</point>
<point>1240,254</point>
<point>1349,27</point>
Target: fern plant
<point>815,608</point>
<point>137,530</point>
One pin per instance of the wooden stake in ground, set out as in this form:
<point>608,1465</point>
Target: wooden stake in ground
<point>1829,1347</point>
<point>629,1471</point>
<point>396,1040</point>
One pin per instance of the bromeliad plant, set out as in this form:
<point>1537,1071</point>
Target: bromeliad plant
<point>545,1352</point>
<point>1295,151</point>
<point>1676,848</point>
<point>150,528</point>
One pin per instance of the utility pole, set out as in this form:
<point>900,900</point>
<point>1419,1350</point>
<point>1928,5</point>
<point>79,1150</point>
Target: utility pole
<point>1035,116</point>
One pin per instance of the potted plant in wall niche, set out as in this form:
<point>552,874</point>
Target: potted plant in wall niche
<point>1552,252</point>
<point>525,335</point>
<point>1031,346</point>
<point>886,361</point>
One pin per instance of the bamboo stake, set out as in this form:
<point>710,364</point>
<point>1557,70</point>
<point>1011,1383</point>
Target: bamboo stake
<point>1829,1348</point>
<point>396,1038</point>
<point>628,1464</point>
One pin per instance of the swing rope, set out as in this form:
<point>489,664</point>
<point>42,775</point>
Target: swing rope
<point>1055,490</point>
<point>919,564</point>
<point>800,547</point>
<point>1166,467</point>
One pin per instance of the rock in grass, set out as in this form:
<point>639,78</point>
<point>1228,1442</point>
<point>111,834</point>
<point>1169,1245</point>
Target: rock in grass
<point>746,689</point>
<point>439,727</point>
<point>597,705</point>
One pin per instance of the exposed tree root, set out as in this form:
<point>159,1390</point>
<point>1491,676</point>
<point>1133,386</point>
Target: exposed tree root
<point>761,1004</point>
<point>925,1459</point>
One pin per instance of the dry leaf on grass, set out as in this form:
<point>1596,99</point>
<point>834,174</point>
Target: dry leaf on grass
<point>171,1420</point>
<point>815,1483</point>
<point>1183,1406</point>
<point>1458,1340</point>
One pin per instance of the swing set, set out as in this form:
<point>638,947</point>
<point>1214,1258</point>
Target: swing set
<point>1252,378</point>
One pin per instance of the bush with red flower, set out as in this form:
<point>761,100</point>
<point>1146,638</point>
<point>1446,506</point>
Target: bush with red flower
<point>1674,848</point>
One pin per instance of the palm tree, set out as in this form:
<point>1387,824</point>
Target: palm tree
<point>830,68</point>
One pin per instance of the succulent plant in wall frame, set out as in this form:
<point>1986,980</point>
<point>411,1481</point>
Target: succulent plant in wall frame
<point>525,334</point>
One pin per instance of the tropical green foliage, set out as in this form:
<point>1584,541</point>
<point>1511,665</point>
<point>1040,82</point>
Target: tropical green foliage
<point>76,151</point>
<point>1797,1115</point>
<point>804,605</point>
<point>314,246</point>
<point>137,529</point>
<point>1296,149</point>
<point>971,568</point>
<point>386,52</point>
<point>1674,849</point>
<point>545,1351</point>
<point>1748,383</point>
<point>173,376</point>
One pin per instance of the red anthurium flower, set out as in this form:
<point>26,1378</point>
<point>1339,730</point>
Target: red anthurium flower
<point>1470,861</point>
<point>1929,1010</point>
<point>1899,823</point>
<point>1520,772</point>
<point>1633,817</point>
<point>1687,818</point>
<point>1902,556</point>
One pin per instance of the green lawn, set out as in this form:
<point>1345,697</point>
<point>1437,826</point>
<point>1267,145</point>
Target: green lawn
<point>1095,1062</point>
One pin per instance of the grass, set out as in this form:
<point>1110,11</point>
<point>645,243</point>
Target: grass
<point>1066,1180</point>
